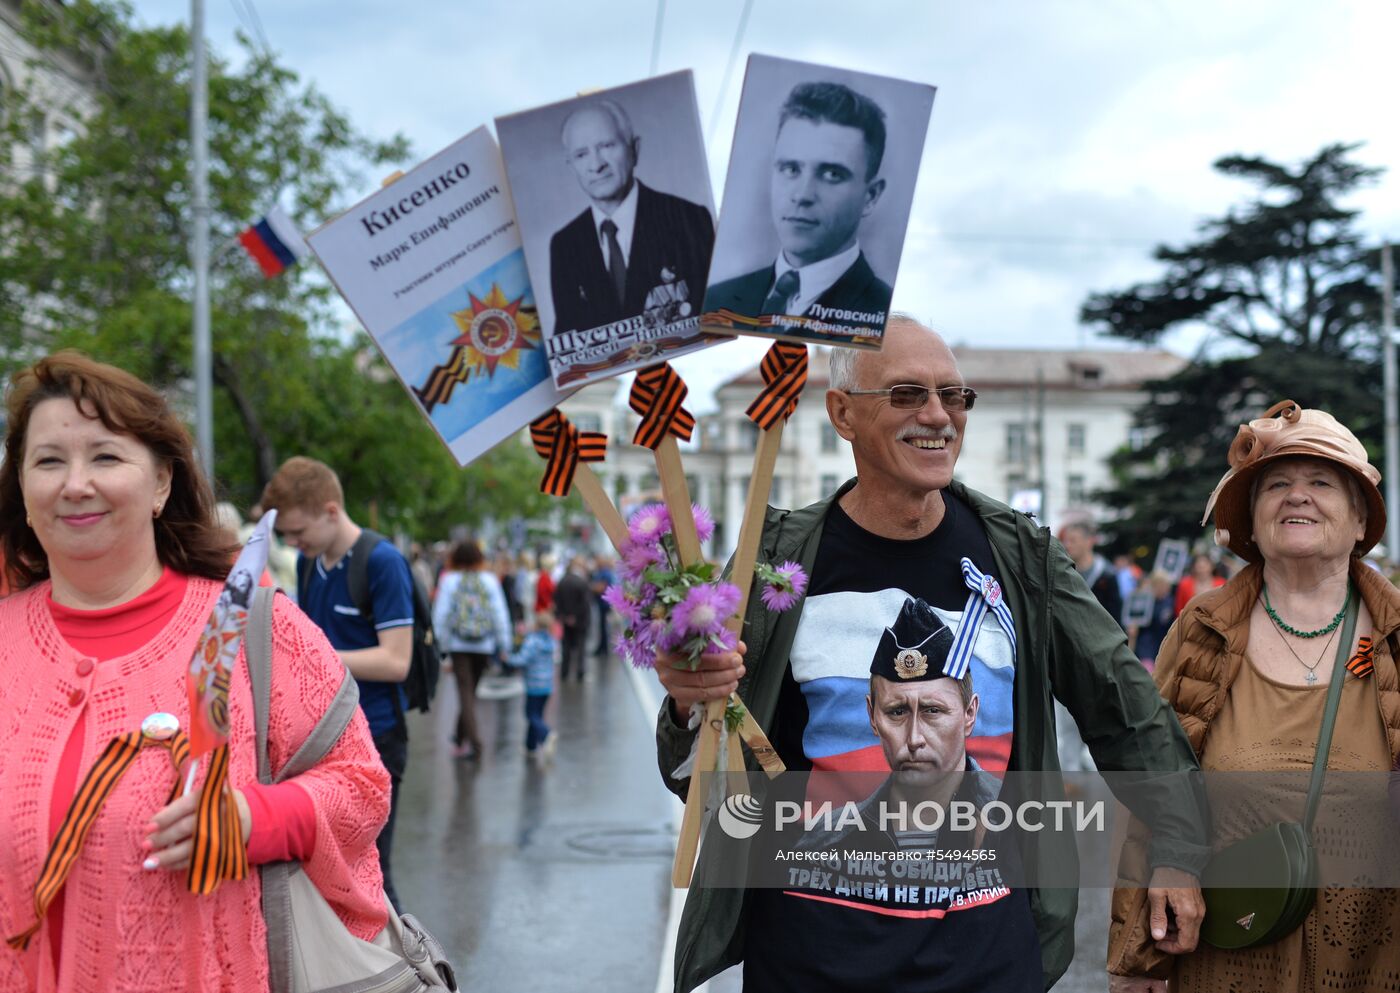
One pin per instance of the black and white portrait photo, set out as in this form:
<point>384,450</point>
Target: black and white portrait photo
<point>612,193</point>
<point>816,202</point>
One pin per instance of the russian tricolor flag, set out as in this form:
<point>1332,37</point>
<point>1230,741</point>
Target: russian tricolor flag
<point>274,242</point>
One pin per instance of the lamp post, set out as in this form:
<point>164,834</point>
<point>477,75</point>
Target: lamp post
<point>1392,404</point>
<point>199,247</point>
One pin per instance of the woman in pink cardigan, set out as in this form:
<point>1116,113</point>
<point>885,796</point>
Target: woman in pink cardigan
<point>109,540</point>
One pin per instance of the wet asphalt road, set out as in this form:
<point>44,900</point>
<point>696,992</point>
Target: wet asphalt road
<point>540,877</point>
<point>556,876</point>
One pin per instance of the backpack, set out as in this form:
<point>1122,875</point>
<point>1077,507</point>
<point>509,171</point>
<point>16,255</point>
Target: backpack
<point>420,685</point>
<point>470,619</point>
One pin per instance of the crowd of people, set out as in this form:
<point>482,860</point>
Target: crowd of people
<point>939,631</point>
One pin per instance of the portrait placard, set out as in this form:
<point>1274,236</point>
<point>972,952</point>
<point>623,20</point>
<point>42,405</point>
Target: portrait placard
<point>617,218</point>
<point>432,265</point>
<point>816,203</point>
<point>1137,610</point>
<point>1172,558</point>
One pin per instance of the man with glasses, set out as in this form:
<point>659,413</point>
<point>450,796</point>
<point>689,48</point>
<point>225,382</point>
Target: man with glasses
<point>1025,627</point>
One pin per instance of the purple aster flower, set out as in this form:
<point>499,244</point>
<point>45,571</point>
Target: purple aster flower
<point>705,609</point>
<point>648,524</point>
<point>704,522</point>
<point>652,635</point>
<point>783,592</point>
<point>637,558</point>
<point>626,648</point>
<point>627,603</point>
<point>673,640</point>
<point>724,640</point>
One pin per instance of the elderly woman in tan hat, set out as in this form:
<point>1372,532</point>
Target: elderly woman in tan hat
<point>1247,668</point>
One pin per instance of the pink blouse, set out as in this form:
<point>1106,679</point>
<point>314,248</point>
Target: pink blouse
<point>127,928</point>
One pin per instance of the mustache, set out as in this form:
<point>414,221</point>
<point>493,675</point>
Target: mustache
<point>947,432</point>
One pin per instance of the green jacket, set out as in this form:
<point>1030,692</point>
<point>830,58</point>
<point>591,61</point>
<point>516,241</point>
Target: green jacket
<point>1066,645</point>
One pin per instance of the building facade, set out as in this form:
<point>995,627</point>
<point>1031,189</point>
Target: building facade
<point>56,86</point>
<point>1040,435</point>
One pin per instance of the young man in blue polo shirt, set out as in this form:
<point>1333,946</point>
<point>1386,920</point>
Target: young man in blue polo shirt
<point>311,517</point>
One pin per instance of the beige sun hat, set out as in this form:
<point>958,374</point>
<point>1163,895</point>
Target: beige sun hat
<point>1287,429</point>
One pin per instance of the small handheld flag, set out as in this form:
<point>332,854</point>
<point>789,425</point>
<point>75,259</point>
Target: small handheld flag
<point>274,242</point>
<point>219,852</point>
<point>218,646</point>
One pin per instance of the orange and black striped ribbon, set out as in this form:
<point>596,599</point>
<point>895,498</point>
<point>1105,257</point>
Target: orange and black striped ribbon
<point>219,851</point>
<point>784,371</point>
<point>656,396</point>
<point>1360,665</point>
<point>563,447</point>
<point>443,379</point>
<point>82,813</point>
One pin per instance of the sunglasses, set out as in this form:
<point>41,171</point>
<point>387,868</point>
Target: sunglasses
<point>909,397</point>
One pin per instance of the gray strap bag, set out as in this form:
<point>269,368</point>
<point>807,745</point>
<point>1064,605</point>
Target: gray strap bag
<point>309,950</point>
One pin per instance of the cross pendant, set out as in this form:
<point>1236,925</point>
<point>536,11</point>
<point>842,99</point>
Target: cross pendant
<point>1312,677</point>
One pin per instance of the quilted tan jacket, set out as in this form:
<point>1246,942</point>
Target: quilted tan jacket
<point>1197,664</point>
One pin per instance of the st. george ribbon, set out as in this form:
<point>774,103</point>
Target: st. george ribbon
<point>217,651</point>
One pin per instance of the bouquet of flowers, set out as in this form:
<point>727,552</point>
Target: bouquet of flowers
<point>682,610</point>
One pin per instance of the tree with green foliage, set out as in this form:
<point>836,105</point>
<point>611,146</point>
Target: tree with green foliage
<point>1290,297</point>
<point>94,254</point>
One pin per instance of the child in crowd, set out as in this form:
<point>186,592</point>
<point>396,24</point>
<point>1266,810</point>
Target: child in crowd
<point>536,656</point>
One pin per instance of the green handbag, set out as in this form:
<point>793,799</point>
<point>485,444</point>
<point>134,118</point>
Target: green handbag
<point>1239,912</point>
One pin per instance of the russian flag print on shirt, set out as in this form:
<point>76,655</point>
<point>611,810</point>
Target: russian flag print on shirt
<point>274,242</point>
<point>831,662</point>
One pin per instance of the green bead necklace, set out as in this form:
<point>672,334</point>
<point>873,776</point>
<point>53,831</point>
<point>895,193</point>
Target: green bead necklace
<point>1336,621</point>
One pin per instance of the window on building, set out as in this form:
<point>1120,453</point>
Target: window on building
<point>748,435</point>
<point>829,438</point>
<point>587,421</point>
<point>1015,483</point>
<point>1076,441</point>
<point>1089,376</point>
<point>775,495</point>
<point>1015,442</point>
<point>1138,438</point>
<point>1075,491</point>
<point>829,483</point>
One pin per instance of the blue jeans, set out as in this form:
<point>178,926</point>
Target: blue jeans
<point>538,730</point>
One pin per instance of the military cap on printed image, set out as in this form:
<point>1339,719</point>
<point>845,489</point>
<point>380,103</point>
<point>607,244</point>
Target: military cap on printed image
<point>915,647</point>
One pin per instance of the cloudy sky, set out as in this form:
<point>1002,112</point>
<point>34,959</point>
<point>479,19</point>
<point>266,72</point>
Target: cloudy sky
<point>1068,136</point>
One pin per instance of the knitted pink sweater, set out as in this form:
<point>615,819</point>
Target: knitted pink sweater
<point>127,929</point>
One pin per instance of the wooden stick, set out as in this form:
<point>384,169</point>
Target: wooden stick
<point>758,743</point>
<point>760,483</point>
<point>689,839</point>
<point>590,487</point>
<point>741,575</point>
<point>676,492</point>
<point>737,779</point>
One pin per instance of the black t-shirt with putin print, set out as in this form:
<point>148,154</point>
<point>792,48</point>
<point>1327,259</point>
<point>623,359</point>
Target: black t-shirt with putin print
<point>868,937</point>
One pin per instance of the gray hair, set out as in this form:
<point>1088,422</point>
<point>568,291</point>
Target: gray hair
<point>842,362</point>
<point>842,365</point>
<point>610,107</point>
